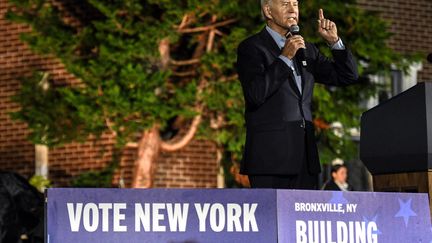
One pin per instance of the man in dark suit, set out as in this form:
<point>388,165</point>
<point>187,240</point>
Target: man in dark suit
<point>280,149</point>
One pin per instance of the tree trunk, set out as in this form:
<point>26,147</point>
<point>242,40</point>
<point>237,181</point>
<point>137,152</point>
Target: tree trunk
<point>149,147</point>
<point>148,151</point>
<point>41,160</point>
<point>150,144</point>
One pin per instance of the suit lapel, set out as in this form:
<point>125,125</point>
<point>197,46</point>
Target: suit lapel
<point>271,45</point>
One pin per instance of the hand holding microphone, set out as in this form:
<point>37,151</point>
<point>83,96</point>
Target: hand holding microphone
<point>293,43</point>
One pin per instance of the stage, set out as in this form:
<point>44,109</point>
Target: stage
<point>235,215</point>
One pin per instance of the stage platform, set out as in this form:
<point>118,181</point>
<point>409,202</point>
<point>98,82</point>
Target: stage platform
<point>234,215</point>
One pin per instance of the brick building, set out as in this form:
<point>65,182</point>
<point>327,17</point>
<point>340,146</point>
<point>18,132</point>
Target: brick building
<point>411,35</point>
<point>195,165</point>
<point>410,24</point>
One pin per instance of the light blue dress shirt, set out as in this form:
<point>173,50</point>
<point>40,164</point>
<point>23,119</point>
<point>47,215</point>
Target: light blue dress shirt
<point>280,41</point>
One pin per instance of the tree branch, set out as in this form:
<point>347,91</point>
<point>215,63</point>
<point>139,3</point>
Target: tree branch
<point>184,74</point>
<point>210,40</point>
<point>207,28</point>
<point>171,147</point>
<point>164,51</point>
<point>186,20</point>
<point>185,62</point>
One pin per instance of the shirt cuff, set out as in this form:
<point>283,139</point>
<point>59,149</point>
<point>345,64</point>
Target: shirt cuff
<point>288,61</point>
<point>338,45</point>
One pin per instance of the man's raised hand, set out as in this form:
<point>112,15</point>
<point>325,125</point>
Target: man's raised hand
<point>327,29</point>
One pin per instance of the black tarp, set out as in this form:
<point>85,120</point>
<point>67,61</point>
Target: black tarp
<point>21,210</point>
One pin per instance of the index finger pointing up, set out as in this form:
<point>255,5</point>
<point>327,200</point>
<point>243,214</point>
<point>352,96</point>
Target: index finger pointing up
<point>320,14</point>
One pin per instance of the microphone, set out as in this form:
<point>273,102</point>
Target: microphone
<point>429,58</point>
<point>300,55</point>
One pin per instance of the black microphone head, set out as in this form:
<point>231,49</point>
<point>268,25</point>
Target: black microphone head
<point>294,29</point>
<point>429,58</point>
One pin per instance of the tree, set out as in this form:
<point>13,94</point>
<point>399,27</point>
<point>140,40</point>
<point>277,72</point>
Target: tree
<point>148,67</point>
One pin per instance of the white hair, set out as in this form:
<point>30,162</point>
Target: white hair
<point>263,3</point>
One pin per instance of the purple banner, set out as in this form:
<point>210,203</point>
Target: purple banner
<point>235,215</point>
<point>161,215</point>
<point>352,217</point>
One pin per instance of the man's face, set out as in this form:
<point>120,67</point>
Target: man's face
<point>284,13</point>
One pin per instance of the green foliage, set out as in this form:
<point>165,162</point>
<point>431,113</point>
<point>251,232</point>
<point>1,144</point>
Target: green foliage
<point>114,54</point>
<point>40,182</point>
<point>95,179</point>
<point>99,178</point>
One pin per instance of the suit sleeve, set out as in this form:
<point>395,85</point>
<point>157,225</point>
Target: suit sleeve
<point>339,71</point>
<point>259,82</point>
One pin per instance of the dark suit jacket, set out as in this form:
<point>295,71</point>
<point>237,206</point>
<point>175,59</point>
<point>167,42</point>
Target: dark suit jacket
<point>332,186</point>
<point>275,135</point>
